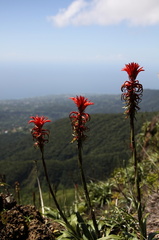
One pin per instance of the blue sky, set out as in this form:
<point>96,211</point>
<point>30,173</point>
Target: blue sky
<point>76,46</point>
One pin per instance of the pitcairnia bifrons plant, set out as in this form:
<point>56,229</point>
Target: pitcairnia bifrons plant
<point>78,120</point>
<point>41,136</point>
<point>132,93</point>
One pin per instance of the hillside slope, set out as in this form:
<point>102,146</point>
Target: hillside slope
<point>106,148</point>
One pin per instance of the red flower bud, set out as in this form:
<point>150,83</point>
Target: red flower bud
<point>79,119</point>
<point>40,135</point>
<point>81,103</point>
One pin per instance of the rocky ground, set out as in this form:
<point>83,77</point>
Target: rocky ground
<point>152,208</point>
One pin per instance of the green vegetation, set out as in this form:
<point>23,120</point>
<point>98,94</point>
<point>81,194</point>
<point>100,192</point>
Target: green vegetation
<point>114,199</point>
<point>108,168</point>
<point>106,148</point>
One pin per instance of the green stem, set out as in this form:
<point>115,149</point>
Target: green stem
<point>53,195</point>
<point>137,180</point>
<point>85,187</point>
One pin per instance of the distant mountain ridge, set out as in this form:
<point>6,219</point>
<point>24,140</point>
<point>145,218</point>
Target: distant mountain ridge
<point>16,113</point>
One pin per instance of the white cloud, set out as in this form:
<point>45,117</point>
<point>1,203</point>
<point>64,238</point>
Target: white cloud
<point>108,12</point>
<point>64,16</point>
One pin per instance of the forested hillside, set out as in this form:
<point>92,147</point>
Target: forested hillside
<point>106,148</point>
<point>14,114</point>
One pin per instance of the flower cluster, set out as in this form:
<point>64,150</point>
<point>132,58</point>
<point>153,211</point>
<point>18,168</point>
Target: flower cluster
<point>79,119</point>
<point>40,135</point>
<point>132,89</point>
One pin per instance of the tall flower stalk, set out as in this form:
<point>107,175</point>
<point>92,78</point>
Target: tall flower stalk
<point>40,137</point>
<point>78,120</point>
<point>132,93</point>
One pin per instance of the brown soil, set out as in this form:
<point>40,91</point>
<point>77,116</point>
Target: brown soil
<point>24,222</point>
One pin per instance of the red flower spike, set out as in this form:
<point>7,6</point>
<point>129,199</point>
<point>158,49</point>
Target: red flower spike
<point>40,135</point>
<point>132,70</point>
<point>39,121</point>
<point>132,90</point>
<point>79,119</point>
<point>81,102</point>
